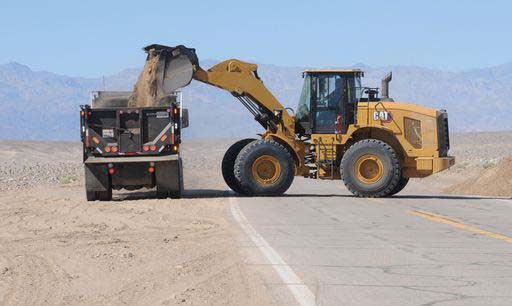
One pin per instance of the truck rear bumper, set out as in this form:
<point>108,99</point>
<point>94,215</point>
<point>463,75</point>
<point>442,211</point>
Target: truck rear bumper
<point>130,159</point>
<point>434,164</point>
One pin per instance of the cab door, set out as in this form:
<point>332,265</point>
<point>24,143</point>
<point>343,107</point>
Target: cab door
<point>327,94</point>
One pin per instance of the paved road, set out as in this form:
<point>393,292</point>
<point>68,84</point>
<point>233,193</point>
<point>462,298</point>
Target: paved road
<point>407,250</point>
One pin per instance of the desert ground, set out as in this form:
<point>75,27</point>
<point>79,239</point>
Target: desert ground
<point>58,249</point>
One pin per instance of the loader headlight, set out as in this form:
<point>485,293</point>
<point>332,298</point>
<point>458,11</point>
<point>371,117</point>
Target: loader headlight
<point>413,132</point>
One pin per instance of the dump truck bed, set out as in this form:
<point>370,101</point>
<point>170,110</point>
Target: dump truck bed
<point>131,131</point>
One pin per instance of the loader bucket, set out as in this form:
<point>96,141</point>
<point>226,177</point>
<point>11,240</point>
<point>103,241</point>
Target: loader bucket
<point>176,65</point>
<point>166,69</point>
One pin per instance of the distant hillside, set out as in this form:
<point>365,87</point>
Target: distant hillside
<point>43,105</point>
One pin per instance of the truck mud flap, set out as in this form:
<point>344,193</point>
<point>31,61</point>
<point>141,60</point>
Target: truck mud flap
<point>97,183</point>
<point>169,178</point>
<point>96,178</point>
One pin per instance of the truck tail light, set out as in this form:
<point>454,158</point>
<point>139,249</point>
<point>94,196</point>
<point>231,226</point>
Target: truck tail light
<point>151,169</point>
<point>107,149</point>
<point>153,148</point>
<point>114,149</point>
<point>145,148</point>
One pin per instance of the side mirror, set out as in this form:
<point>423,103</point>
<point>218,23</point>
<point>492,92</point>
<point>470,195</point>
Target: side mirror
<point>184,118</point>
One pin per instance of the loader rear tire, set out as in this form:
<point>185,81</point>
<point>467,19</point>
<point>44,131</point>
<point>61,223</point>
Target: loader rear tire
<point>228,164</point>
<point>264,168</point>
<point>370,168</point>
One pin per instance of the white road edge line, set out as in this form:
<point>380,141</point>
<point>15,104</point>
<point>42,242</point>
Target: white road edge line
<point>300,291</point>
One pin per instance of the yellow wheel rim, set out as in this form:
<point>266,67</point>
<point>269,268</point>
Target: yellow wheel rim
<point>266,169</point>
<point>369,169</point>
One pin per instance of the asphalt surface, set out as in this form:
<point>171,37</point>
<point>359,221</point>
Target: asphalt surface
<point>411,249</point>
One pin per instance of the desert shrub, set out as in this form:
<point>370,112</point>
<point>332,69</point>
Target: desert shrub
<point>66,179</point>
<point>489,164</point>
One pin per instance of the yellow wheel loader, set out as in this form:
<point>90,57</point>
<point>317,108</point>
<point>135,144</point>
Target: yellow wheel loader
<point>340,130</point>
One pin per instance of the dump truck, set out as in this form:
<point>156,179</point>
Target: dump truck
<point>132,147</point>
<point>340,130</point>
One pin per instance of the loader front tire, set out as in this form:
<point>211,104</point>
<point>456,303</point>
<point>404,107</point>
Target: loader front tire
<point>264,168</point>
<point>400,186</point>
<point>370,168</point>
<point>228,164</point>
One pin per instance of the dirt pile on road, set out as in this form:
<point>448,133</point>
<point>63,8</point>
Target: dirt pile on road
<point>146,90</point>
<point>492,181</point>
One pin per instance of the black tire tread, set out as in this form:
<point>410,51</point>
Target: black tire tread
<point>161,194</point>
<point>228,164</point>
<point>239,164</point>
<point>105,195</point>
<point>91,195</point>
<point>396,168</point>
<point>400,186</point>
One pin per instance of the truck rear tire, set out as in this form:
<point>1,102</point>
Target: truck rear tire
<point>99,195</point>
<point>105,195</point>
<point>370,168</point>
<point>228,164</point>
<point>264,168</point>
<point>169,179</point>
<point>91,195</point>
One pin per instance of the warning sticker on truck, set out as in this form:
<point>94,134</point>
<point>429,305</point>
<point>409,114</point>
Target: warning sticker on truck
<point>108,133</point>
<point>162,115</point>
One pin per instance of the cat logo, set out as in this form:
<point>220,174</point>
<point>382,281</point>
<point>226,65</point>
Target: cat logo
<point>382,116</point>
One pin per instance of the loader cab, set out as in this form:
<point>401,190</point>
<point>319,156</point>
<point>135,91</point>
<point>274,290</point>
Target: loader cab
<point>328,101</point>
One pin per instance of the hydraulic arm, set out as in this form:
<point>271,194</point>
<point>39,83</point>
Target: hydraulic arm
<point>177,66</point>
<point>242,80</point>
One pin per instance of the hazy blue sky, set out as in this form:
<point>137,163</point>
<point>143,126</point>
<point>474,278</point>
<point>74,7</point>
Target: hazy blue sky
<point>89,38</point>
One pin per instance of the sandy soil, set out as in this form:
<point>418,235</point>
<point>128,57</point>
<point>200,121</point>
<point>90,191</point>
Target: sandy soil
<point>57,249</point>
<point>495,180</point>
<point>480,166</point>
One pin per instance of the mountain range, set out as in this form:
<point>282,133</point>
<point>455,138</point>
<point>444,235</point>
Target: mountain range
<point>44,105</point>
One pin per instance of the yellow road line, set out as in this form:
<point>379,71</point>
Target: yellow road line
<point>445,220</point>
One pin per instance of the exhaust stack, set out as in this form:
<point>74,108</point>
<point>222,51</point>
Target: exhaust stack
<point>385,87</point>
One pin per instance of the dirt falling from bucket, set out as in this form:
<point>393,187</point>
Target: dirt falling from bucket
<point>146,92</point>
